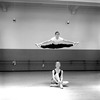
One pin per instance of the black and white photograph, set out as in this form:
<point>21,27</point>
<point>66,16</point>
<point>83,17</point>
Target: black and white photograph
<point>49,49</point>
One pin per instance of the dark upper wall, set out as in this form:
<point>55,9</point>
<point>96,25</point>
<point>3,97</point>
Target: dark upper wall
<point>48,55</point>
<point>39,59</point>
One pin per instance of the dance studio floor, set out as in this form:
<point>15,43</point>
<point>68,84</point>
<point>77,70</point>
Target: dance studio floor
<point>83,85</point>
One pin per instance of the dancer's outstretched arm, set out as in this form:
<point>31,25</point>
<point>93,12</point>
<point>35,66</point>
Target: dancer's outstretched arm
<point>64,40</point>
<point>45,42</point>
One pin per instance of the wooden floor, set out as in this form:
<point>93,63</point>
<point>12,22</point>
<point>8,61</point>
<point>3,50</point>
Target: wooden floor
<point>83,85</point>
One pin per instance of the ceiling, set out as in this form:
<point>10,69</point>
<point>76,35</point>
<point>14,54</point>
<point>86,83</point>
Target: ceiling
<point>60,2</point>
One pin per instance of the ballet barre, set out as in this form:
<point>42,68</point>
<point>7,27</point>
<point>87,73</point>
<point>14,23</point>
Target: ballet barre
<point>44,61</point>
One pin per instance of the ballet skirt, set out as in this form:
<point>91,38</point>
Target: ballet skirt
<point>56,46</point>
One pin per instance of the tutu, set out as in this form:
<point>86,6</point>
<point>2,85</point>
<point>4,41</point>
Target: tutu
<point>56,46</point>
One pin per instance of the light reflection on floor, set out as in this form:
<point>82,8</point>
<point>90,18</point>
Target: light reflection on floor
<point>47,93</point>
<point>96,88</point>
<point>36,93</point>
<point>35,86</point>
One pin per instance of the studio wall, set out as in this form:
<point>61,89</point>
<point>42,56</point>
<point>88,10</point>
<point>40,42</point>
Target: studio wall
<point>23,25</point>
<point>36,23</point>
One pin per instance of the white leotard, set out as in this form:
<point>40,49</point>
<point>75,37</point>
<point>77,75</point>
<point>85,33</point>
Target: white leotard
<point>56,41</point>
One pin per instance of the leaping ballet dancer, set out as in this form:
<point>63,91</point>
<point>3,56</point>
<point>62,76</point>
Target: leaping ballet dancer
<point>57,77</point>
<point>56,42</point>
